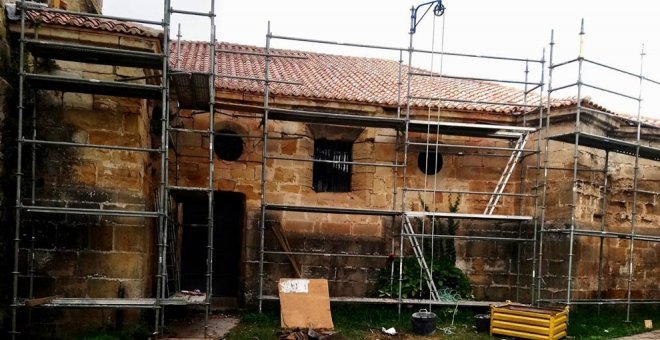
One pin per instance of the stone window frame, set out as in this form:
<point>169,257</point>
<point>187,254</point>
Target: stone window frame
<point>332,177</point>
<point>340,135</point>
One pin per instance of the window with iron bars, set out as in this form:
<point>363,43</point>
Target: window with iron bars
<point>334,175</point>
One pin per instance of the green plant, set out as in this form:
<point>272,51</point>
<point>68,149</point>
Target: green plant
<point>440,256</point>
<point>443,248</point>
<point>413,283</point>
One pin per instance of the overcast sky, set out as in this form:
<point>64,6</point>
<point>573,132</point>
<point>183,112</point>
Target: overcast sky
<point>615,32</point>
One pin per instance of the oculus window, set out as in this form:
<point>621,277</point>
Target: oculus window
<point>429,162</point>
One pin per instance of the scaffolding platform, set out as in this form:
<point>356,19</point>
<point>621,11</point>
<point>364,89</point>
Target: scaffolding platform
<point>330,210</point>
<point>117,303</point>
<point>609,144</point>
<point>192,89</point>
<point>605,234</point>
<point>469,130</point>
<point>93,86</point>
<point>389,301</point>
<point>318,117</point>
<point>94,54</point>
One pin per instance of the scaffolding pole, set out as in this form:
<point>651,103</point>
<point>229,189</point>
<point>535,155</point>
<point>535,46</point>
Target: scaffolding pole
<point>264,152</point>
<point>19,175</point>
<point>633,226</point>
<point>544,185</point>
<point>576,156</point>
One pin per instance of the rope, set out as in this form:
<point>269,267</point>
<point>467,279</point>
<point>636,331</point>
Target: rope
<point>448,294</point>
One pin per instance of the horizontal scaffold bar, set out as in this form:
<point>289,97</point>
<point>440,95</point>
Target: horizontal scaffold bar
<point>468,216</point>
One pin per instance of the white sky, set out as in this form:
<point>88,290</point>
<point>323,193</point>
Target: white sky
<point>615,32</point>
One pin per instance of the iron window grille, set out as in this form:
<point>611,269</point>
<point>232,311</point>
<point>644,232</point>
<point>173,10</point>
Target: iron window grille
<point>333,176</point>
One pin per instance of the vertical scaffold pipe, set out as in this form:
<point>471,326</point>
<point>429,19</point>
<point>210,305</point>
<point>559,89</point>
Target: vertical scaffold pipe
<point>405,155</point>
<point>544,191</point>
<point>264,150</point>
<point>162,190</point>
<point>19,175</point>
<point>537,183</point>
<point>633,227</point>
<point>576,156</point>
<point>211,165</point>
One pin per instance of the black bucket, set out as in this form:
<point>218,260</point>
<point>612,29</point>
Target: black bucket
<point>482,322</point>
<point>423,322</point>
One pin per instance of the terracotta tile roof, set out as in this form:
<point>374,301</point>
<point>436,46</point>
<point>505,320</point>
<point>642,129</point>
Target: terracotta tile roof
<point>572,101</point>
<point>72,19</point>
<point>344,78</point>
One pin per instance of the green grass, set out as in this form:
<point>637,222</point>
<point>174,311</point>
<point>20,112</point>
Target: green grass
<point>365,322</point>
<point>590,322</point>
<point>355,322</point>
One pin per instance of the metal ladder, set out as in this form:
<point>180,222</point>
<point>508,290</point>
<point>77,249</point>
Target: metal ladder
<point>506,174</point>
<point>419,255</point>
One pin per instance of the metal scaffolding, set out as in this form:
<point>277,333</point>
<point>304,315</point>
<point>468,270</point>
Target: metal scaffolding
<point>91,54</point>
<point>414,131</point>
<point>580,137</point>
<point>195,91</point>
<point>406,123</point>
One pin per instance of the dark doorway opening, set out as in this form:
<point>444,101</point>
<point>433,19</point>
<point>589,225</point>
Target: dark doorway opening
<point>229,212</point>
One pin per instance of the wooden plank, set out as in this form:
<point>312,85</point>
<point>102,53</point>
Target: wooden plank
<point>305,303</point>
<point>39,301</point>
<point>284,243</point>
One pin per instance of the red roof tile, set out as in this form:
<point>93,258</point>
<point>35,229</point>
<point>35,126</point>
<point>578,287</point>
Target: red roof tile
<point>345,78</point>
<point>76,20</point>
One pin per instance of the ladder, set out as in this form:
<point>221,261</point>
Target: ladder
<point>419,255</point>
<point>506,174</point>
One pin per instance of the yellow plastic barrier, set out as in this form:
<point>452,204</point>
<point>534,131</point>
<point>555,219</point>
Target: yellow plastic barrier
<point>528,322</point>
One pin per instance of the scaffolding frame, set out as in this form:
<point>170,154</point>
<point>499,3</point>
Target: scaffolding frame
<point>88,53</point>
<point>202,91</point>
<point>578,138</point>
<point>404,124</point>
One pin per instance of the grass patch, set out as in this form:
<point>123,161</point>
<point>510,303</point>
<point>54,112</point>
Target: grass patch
<point>357,322</point>
<point>590,322</point>
<point>365,322</point>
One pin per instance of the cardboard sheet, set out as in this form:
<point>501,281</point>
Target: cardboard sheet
<point>305,303</point>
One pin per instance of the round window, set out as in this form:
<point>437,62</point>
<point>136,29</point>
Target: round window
<point>228,145</point>
<point>429,162</point>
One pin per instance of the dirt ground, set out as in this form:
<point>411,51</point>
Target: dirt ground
<point>219,326</point>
